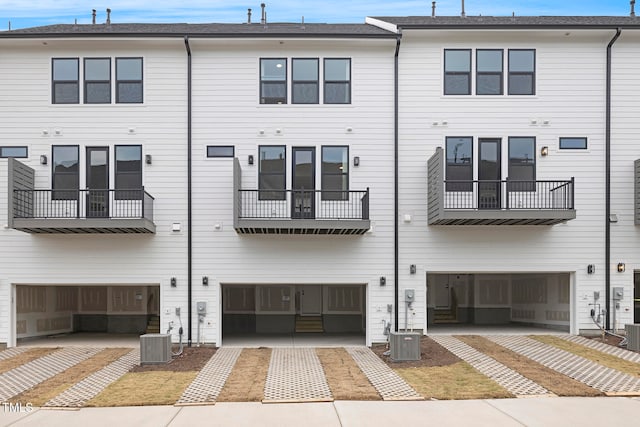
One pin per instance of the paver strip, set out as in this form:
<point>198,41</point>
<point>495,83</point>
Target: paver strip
<point>206,387</point>
<point>30,374</point>
<point>602,378</point>
<point>389,384</point>
<point>80,393</point>
<point>296,375</point>
<point>512,381</point>
<point>12,352</point>
<point>620,352</point>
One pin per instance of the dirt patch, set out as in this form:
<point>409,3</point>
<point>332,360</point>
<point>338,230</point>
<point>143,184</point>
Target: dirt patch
<point>452,382</point>
<point>608,339</point>
<point>52,387</point>
<point>25,357</point>
<point>248,376</point>
<point>431,354</point>
<point>145,388</point>
<point>191,359</point>
<point>345,379</point>
<point>553,381</point>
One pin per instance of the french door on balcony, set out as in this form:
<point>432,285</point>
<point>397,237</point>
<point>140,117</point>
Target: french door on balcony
<point>489,174</point>
<point>97,197</point>
<point>303,180</point>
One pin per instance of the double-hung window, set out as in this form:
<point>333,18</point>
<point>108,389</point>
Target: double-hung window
<point>271,172</point>
<point>273,81</point>
<point>304,81</point>
<point>128,172</point>
<point>65,172</point>
<point>335,173</point>
<point>459,172</point>
<point>337,81</point>
<point>457,72</point>
<point>489,66</point>
<point>97,80</point>
<point>129,80</point>
<point>522,163</point>
<point>65,80</point>
<point>522,76</point>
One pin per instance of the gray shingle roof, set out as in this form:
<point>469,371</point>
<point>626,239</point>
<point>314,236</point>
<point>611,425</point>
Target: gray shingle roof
<point>204,30</point>
<point>427,22</point>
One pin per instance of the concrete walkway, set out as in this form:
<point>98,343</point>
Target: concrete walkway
<point>504,412</point>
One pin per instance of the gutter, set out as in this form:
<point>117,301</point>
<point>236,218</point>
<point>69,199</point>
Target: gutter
<point>189,196</point>
<point>607,216</point>
<point>396,257</point>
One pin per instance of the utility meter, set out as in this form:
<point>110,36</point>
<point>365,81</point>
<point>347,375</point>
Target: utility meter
<point>202,308</point>
<point>409,295</point>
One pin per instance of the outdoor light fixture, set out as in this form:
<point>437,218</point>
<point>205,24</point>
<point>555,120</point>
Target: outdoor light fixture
<point>621,267</point>
<point>591,269</point>
<point>412,269</point>
<point>383,280</point>
<point>174,282</point>
<point>356,161</point>
<point>43,159</point>
<point>147,159</point>
<point>544,151</point>
<point>205,281</point>
<point>250,159</point>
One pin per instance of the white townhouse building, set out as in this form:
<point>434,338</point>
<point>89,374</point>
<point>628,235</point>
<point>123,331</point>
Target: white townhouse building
<point>232,179</point>
<point>265,178</point>
<point>517,155</point>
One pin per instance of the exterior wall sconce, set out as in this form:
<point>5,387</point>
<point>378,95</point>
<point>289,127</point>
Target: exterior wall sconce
<point>412,269</point>
<point>205,281</point>
<point>383,281</point>
<point>174,282</point>
<point>591,269</point>
<point>621,267</point>
<point>250,159</point>
<point>43,159</point>
<point>544,151</point>
<point>147,159</point>
<point>356,161</point>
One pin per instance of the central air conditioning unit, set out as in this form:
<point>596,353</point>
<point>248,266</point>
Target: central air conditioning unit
<point>404,346</point>
<point>633,337</point>
<point>155,349</point>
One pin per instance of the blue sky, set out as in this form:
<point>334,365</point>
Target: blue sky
<point>29,13</point>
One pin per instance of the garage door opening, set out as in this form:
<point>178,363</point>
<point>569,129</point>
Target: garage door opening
<point>539,300</point>
<point>49,310</point>
<point>284,314</point>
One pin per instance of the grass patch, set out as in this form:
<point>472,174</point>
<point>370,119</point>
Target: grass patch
<point>25,357</point>
<point>248,377</point>
<point>452,382</point>
<point>553,381</point>
<point>52,387</point>
<point>608,360</point>
<point>345,379</point>
<point>145,388</point>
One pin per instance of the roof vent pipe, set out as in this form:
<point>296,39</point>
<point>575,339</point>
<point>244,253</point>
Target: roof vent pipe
<point>263,19</point>
<point>93,16</point>
<point>633,8</point>
<point>108,16</point>
<point>248,16</point>
<point>433,9</point>
<point>463,14</point>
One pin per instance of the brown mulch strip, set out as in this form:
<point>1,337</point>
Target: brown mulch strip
<point>191,359</point>
<point>52,387</point>
<point>22,358</point>
<point>553,381</point>
<point>431,354</point>
<point>344,377</point>
<point>248,377</point>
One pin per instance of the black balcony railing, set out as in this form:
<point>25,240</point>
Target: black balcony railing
<point>509,195</point>
<point>303,204</point>
<point>82,204</point>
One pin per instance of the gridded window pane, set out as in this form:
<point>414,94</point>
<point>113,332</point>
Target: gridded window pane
<point>337,81</point>
<point>459,163</point>
<point>573,143</point>
<point>337,93</point>
<point>220,150</point>
<point>273,69</point>
<point>65,69</point>
<point>271,174</point>
<point>457,72</point>
<point>130,93</point>
<point>129,68</point>
<point>457,60</point>
<point>13,152</point>
<point>337,69</point>
<point>521,61</point>
<point>489,84</point>
<point>489,61</point>
<point>66,93</point>
<point>97,93</point>
<point>305,93</point>
<point>520,84</point>
<point>457,85</point>
<point>97,69</point>
<point>305,69</point>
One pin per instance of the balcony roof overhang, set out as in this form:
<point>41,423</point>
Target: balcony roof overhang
<point>504,217</point>
<point>85,226</point>
<point>302,226</point>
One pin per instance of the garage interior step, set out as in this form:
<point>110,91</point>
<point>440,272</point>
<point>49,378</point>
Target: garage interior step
<point>445,315</point>
<point>309,324</point>
<point>153,325</point>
